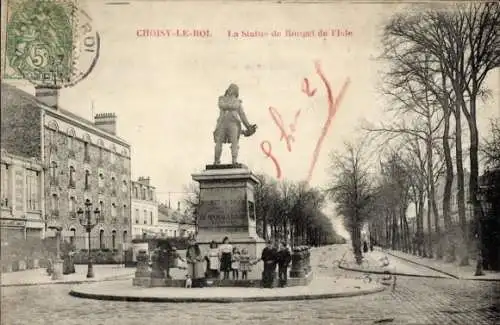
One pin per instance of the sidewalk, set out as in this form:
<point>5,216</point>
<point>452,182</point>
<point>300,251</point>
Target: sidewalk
<point>319,288</point>
<point>40,276</point>
<point>372,264</point>
<point>452,269</point>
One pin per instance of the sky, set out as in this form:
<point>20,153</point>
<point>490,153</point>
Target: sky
<point>164,89</point>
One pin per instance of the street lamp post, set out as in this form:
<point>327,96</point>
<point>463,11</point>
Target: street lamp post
<point>85,217</point>
<point>481,200</point>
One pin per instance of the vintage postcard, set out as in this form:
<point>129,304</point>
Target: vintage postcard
<point>250,162</point>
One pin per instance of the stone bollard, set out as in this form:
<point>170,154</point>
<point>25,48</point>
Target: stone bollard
<point>297,270</point>
<point>157,273</point>
<point>307,252</point>
<point>22,265</point>
<point>142,273</point>
<point>57,271</point>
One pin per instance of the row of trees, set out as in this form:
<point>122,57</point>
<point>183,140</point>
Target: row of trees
<point>437,62</point>
<point>285,211</point>
<point>294,210</point>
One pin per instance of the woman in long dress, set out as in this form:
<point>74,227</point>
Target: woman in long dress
<point>196,268</point>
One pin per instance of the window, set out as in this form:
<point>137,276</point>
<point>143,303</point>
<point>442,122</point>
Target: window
<point>4,188</point>
<point>151,217</point>
<point>87,180</point>
<point>70,143</point>
<point>175,233</point>
<point>101,239</point>
<point>113,186</point>
<point>113,239</point>
<point>145,217</point>
<point>125,236</point>
<point>136,194</point>
<point>136,215</point>
<point>53,173</point>
<point>71,176</point>
<point>54,204</point>
<point>113,210</point>
<point>72,207</point>
<point>112,157</point>
<point>101,180</point>
<point>73,236</point>
<point>143,193</point>
<point>101,208</point>
<point>86,154</point>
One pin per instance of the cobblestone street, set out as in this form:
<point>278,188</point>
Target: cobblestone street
<point>415,301</point>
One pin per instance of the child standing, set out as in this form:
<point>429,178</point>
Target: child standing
<point>235,263</point>
<point>245,264</point>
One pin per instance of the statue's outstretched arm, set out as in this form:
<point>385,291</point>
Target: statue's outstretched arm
<point>243,117</point>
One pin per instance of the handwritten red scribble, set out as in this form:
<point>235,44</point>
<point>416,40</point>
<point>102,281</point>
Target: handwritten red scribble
<point>283,133</point>
<point>332,109</point>
<point>306,89</point>
<point>293,126</point>
<point>269,154</point>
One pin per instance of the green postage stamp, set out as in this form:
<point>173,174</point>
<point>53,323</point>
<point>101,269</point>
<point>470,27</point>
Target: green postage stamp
<point>50,43</point>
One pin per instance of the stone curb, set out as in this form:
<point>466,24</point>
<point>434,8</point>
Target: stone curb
<point>440,271</point>
<point>392,273</point>
<point>113,278</point>
<point>312,296</point>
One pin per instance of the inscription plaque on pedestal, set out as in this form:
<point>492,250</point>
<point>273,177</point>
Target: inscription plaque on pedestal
<point>227,207</point>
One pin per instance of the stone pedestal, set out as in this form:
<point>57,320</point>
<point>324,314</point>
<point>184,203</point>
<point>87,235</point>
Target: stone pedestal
<point>57,272</point>
<point>142,273</point>
<point>227,207</point>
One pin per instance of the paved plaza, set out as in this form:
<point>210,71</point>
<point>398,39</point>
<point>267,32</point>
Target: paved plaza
<point>415,300</point>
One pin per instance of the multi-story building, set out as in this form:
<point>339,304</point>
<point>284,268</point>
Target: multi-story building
<point>174,223</point>
<point>81,160</point>
<point>144,208</point>
<point>22,215</point>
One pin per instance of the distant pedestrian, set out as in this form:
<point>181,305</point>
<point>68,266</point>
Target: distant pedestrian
<point>245,263</point>
<point>365,247</point>
<point>284,257</point>
<point>225,260</point>
<point>235,263</point>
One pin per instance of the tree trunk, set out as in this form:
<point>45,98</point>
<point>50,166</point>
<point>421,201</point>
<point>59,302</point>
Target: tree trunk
<point>450,241</point>
<point>474,169</point>
<point>431,192</point>
<point>460,186</point>
<point>429,229</point>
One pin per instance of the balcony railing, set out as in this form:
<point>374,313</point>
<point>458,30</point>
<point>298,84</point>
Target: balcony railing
<point>55,213</point>
<point>101,189</point>
<point>72,214</point>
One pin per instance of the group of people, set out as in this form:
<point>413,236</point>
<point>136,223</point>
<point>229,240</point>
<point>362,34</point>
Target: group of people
<point>227,260</point>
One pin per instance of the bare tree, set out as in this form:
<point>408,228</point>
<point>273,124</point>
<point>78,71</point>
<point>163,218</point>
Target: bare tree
<point>465,42</point>
<point>352,190</point>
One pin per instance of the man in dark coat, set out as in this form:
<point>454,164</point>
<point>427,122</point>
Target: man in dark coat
<point>284,257</point>
<point>269,258</point>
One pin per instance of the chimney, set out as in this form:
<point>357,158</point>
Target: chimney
<point>106,122</point>
<point>47,95</point>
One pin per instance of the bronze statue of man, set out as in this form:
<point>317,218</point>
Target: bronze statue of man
<point>228,128</point>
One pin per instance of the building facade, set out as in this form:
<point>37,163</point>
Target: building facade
<point>174,223</point>
<point>22,214</point>
<point>81,160</point>
<point>144,208</point>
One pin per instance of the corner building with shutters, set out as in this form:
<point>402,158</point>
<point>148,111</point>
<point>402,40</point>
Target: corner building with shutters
<point>80,160</point>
